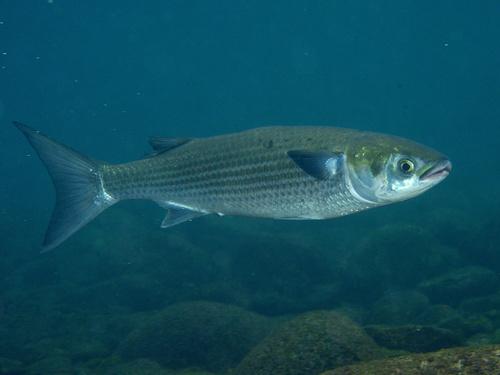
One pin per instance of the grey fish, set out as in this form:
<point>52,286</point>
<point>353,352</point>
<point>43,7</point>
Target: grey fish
<point>274,172</point>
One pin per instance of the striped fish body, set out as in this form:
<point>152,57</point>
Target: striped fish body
<point>248,173</point>
<point>274,172</point>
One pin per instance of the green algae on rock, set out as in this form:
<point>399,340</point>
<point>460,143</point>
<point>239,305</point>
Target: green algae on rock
<point>485,338</point>
<point>209,335</point>
<point>144,366</point>
<point>376,264</point>
<point>400,307</point>
<point>413,338</point>
<point>309,344</point>
<point>437,315</point>
<point>483,360</point>
<point>460,284</point>
<point>57,364</point>
<point>458,321</point>
<point>10,366</point>
<point>138,367</point>
<point>479,305</point>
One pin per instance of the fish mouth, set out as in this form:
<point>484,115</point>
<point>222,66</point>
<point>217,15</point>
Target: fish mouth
<point>438,171</point>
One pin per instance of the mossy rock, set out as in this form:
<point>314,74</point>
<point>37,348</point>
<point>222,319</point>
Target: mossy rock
<point>483,248</point>
<point>437,315</point>
<point>309,344</point>
<point>459,361</point>
<point>138,367</point>
<point>87,349</point>
<point>460,284</point>
<point>444,316</point>
<point>143,366</point>
<point>394,256</point>
<point>398,307</point>
<point>190,371</point>
<point>10,366</point>
<point>208,335</point>
<point>413,338</point>
<point>481,304</point>
<point>57,364</point>
<point>485,339</point>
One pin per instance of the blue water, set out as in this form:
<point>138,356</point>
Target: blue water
<point>104,76</point>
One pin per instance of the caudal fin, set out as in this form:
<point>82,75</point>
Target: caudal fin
<point>80,196</point>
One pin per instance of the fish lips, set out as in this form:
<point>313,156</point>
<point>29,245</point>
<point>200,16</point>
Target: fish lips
<point>438,171</point>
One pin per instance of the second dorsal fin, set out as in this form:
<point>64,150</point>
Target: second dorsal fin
<point>163,144</point>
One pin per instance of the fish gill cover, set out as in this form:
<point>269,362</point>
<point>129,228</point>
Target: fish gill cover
<point>245,295</point>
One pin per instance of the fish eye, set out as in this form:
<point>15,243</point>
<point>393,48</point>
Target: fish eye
<point>406,166</point>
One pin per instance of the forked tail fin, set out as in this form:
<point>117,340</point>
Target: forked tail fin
<point>80,196</point>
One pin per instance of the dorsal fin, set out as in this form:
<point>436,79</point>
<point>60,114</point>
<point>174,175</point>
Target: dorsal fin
<point>163,144</point>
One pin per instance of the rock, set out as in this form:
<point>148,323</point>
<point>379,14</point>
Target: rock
<point>481,304</point>
<point>309,344</point>
<point>138,367</point>
<point>144,366</point>
<point>472,324</point>
<point>460,284</point>
<point>136,292</point>
<point>282,273</point>
<point>483,248</point>
<point>438,314</point>
<point>209,335</point>
<point>85,350</point>
<point>458,361</point>
<point>464,325</point>
<point>485,338</point>
<point>494,317</point>
<point>452,226</point>
<point>480,339</point>
<point>56,364</point>
<point>275,304</point>
<point>398,307</point>
<point>356,313</point>
<point>323,296</point>
<point>10,366</point>
<point>394,256</point>
<point>413,338</point>
<point>191,372</point>
<point>446,317</point>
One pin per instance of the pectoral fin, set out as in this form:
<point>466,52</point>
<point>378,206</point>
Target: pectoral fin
<point>320,165</point>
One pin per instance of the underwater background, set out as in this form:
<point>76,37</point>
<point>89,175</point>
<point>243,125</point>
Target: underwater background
<point>229,295</point>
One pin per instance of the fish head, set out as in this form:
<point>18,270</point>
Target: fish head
<point>383,169</point>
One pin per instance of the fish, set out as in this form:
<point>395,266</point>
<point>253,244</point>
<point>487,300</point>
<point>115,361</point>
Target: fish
<point>277,172</point>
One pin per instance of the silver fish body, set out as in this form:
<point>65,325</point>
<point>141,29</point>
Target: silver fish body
<point>274,172</point>
<point>247,173</point>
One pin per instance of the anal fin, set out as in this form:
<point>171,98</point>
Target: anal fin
<point>177,215</point>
